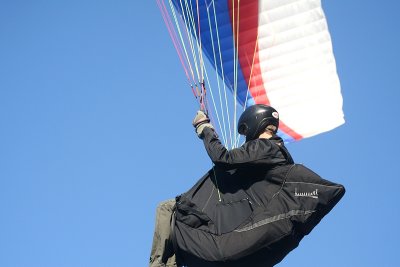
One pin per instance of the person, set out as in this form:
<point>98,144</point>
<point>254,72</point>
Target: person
<point>259,123</point>
<point>263,147</point>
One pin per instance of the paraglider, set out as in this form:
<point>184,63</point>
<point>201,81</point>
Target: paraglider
<point>255,205</point>
<point>277,53</point>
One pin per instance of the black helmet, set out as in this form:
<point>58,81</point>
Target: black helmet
<point>255,119</point>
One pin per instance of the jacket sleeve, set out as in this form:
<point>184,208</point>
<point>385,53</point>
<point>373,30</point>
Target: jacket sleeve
<point>250,152</point>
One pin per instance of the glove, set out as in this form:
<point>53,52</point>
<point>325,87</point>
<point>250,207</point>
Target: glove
<point>201,121</point>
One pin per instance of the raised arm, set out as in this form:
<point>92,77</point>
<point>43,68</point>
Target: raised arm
<point>257,151</point>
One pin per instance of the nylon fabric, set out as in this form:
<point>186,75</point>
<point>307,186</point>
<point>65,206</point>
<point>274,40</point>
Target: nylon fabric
<point>286,203</point>
<point>269,52</point>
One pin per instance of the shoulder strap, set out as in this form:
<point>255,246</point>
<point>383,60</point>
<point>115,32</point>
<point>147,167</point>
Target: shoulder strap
<point>285,153</point>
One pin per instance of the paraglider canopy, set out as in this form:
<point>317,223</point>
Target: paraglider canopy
<point>277,53</point>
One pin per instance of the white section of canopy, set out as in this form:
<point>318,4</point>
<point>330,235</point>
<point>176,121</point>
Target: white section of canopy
<point>298,66</point>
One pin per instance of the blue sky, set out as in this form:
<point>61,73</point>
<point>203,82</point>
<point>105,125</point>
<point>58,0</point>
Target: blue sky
<point>95,130</point>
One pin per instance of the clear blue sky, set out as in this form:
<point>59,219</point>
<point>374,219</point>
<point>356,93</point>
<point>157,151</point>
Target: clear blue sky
<point>95,130</point>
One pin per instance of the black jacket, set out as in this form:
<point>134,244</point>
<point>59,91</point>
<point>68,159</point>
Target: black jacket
<point>251,209</point>
<point>258,152</point>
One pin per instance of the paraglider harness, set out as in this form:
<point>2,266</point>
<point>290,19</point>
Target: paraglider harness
<point>257,223</point>
<point>172,238</point>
